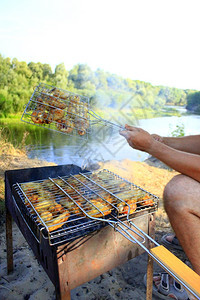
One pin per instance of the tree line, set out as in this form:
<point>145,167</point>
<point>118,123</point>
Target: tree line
<point>18,80</point>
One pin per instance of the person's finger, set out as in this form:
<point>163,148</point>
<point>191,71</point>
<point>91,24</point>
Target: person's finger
<point>128,127</point>
<point>132,128</point>
<point>157,137</point>
<point>124,133</point>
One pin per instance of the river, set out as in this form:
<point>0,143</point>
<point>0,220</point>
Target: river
<point>103,144</point>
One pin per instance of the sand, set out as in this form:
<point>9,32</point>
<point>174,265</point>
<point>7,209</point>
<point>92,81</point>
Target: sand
<point>29,281</point>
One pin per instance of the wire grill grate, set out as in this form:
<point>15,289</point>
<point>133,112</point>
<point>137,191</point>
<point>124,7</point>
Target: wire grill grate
<point>63,208</point>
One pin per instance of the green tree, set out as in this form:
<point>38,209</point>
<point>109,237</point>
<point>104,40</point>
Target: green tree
<point>101,82</point>
<point>18,80</point>
<point>193,102</point>
<point>5,105</point>
<point>81,75</point>
<point>37,70</point>
<point>60,77</point>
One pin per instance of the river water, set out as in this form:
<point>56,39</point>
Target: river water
<point>103,144</point>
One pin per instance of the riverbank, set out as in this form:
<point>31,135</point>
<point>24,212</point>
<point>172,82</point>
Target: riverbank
<point>110,112</point>
<point>13,129</point>
<point>12,158</point>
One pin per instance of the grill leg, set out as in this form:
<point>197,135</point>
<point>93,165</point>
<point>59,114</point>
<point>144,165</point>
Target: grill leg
<point>151,233</point>
<point>9,241</point>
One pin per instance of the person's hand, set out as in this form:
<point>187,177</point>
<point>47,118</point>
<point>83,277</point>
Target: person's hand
<point>138,138</point>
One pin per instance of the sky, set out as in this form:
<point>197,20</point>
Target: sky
<point>156,41</point>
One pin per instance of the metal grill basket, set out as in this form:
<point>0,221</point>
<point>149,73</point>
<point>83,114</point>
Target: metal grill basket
<point>67,207</point>
<point>59,110</point>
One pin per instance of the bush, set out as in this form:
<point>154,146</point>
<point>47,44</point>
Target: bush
<point>179,131</point>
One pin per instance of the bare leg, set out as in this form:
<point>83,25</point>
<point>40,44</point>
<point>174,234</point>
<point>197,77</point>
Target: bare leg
<point>182,204</point>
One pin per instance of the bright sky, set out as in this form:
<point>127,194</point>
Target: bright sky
<point>152,40</point>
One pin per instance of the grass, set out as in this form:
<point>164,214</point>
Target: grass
<point>7,148</point>
<point>11,118</point>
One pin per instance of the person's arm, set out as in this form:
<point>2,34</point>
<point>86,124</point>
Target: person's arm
<point>189,144</point>
<point>183,162</point>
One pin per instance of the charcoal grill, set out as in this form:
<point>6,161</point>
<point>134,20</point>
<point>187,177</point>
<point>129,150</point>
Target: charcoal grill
<point>77,249</point>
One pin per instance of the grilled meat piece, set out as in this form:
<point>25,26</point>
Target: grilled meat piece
<point>143,199</point>
<point>71,206</point>
<point>102,208</point>
<point>58,221</point>
<point>130,201</point>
